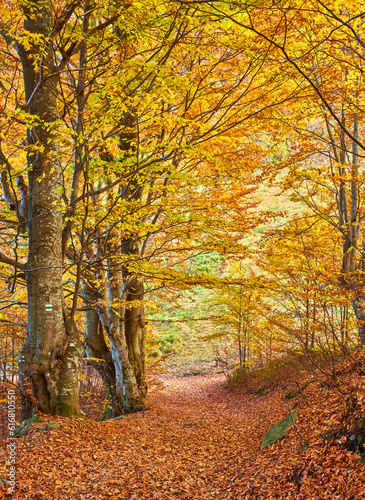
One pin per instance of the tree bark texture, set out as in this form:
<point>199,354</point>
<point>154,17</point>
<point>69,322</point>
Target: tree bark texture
<point>126,342</point>
<point>122,366</point>
<point>50,359</point>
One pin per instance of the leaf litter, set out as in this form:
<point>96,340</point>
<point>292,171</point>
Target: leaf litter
<point>197,440</point>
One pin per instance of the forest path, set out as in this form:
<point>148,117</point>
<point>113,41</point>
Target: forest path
<point>194,441</point>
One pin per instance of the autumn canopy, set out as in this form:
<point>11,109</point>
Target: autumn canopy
<point>138,139</point>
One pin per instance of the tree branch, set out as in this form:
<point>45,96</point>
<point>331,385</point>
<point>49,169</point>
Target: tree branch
<point>7,260</point>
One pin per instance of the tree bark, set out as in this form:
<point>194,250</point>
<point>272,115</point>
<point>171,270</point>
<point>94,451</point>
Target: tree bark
<point>127,394</point>
<point>96,351</point>
<point>50,360</point>
<point>123,321</point>
<point>135,328</point>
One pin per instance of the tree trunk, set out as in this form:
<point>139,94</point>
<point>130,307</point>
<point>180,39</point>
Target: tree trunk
<point>358,304</point>
<point>124,322</point>
<point>122,367</point>
<point>127,396</point>
<point>96,351</point>
<point>50,360</point>
<point>135,328</point>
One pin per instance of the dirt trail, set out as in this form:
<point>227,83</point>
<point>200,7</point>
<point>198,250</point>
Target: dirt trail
<point>193,441</point>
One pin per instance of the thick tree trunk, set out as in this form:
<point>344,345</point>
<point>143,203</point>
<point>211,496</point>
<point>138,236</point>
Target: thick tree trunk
<point>128,396</point>
<point>50,359</point>
<point>135,331</point>
<point>122,368</point>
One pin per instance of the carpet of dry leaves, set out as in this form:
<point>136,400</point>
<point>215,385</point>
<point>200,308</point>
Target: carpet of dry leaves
<point>197,440</point>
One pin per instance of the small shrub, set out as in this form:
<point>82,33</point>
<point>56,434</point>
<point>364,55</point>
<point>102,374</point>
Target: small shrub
<point>234,378</point>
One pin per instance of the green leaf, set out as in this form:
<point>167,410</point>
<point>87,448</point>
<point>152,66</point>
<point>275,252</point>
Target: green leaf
<point>278,430</point>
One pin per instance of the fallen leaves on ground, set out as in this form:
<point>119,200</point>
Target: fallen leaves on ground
<point>197,440</point>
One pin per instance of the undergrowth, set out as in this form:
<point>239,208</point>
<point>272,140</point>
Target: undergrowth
<point>288,369</point>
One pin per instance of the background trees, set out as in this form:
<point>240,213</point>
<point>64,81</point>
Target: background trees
<point>320,47</point>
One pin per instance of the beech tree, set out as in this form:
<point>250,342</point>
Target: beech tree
<point>42,54</point>
<point>50,359</point>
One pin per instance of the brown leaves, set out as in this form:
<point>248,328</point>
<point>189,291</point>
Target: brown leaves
<point>186,446</point>
<point>196,441</point>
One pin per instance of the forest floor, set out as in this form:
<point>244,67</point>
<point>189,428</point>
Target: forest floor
<point>198,440</point>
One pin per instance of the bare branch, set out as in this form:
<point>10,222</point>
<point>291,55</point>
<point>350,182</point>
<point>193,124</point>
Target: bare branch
<point>9,195</point>
<point>7,260</point>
